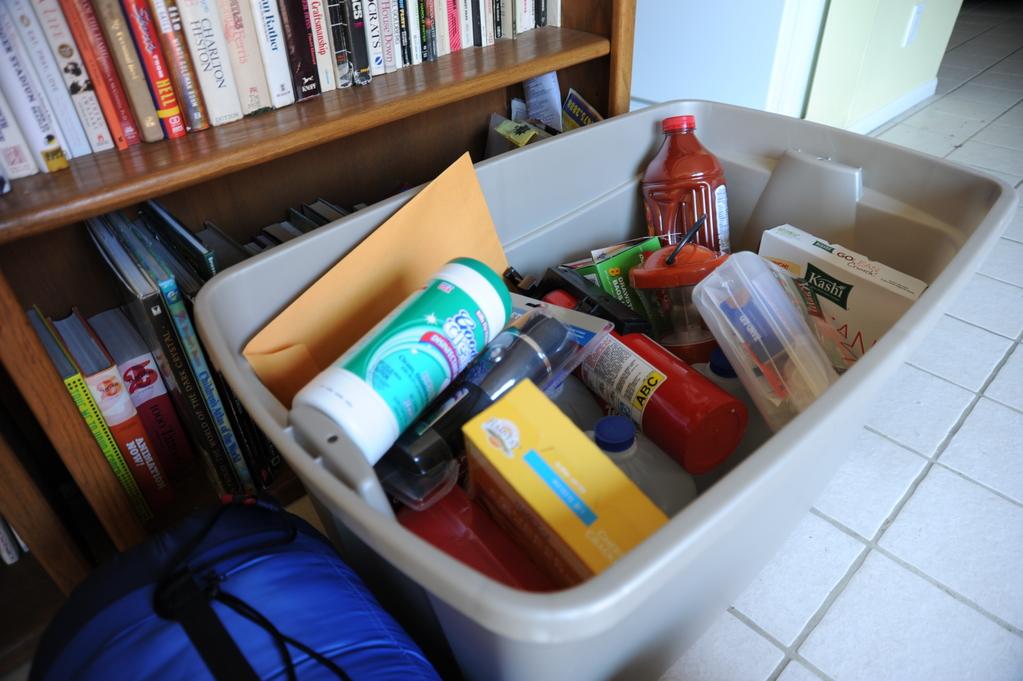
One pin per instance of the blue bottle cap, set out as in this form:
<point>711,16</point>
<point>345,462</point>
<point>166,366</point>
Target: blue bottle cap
<point>719,364</point>
<point>614,433</point>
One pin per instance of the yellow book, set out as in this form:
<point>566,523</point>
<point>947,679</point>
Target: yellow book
<point>559,496</point>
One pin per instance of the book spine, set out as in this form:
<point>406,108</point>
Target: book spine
<point>179,64</point>
<point>87,407</point>
<point>196,359</point>
<point>431,35</point>
<point>186,394</point>
<point>84,27</point>
<point>426,30</point>
<point>294,18</point>
<point>477,23</point>
<point>540,13</point>
<point>9,552</point>
<point>15,157</point>
<point>440,21</point>
<point>489,22</point>
<point>339,44</point>
<point>122,419</point>
<point>129,67</point>
<point>25,97</point>
<point>386,34</point>
<point>245,430</point>
<point>374,38</point>
<point>77,80</point>
<point>48,73</point>
<point>414,34</point>
<point>357,36</point>
<point>274,53</point>
<point>147,41</point>
<point>149,395</point>
<point>205,37</point>
<point>507,18</point>
<point>454,26</point>
<point>498,20</point>
<point>243,50</point>
<point>530,16</point>
<point>465,21</point>
<point>406,43</point>
<point>319,29</point>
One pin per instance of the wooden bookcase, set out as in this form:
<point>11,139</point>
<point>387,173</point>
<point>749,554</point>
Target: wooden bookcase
<point>355,145</point>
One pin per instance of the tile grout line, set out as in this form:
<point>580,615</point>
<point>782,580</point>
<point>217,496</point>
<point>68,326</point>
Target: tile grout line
<point>978,326</point>
<point>887,553</point>
<point>790,654</point>
<point>873,543</point>
<point>990,489</point>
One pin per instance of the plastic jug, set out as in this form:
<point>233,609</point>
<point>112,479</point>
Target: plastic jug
<point>681,184</point>
<point>663,481</point>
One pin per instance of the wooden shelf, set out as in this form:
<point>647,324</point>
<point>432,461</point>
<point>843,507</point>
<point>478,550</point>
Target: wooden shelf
<point>103,182</point>
<point>30,601</point>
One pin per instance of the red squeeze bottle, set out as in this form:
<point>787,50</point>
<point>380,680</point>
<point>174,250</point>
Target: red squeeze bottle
<point>464,530</point>
<point>682,412</point>
<point>681,184</point>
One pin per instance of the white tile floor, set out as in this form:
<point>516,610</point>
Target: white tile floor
<point>910,565</point>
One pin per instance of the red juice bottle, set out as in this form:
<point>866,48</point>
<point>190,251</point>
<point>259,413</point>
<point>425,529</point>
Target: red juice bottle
<point>681,184</point>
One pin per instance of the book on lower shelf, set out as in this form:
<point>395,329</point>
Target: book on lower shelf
<point>111,395</point>
<point>87,407</point>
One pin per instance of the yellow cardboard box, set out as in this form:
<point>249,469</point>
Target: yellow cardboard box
<point>548,485</point>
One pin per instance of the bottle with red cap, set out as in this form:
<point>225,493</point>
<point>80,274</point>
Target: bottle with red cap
<point>665,283</point>
<point>683,183</point>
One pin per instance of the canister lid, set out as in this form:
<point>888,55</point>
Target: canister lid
<point>691,265</point>
<point>614,433</point>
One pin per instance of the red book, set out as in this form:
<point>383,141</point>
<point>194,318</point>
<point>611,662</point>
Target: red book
<point>455,39</point>
<point>86,31</point>
<point>147,41</point>
<point>140,373</point>
<point>114,402</point>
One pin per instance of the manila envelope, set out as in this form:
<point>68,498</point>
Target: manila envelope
<point>448,219</point>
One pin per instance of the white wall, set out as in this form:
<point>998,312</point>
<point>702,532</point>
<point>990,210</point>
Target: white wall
<point>755,53</point>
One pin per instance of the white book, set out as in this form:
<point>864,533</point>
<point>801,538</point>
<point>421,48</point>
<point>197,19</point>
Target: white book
<point>374,38</point>
<point>554,12</point>
<point>274,54</point>
<point>387,33</point>
<point>76,78</point>
<point>319,25</point>
<point>399,58</point>
<point>204,34</point>
<point>54,89</point>
<point>240,36</point>
<point>25,97</point>
<point>440,14</point>
<point>487,22</point>
<point>415,37</point>
<point>15,156</point>
<point>465,21</point>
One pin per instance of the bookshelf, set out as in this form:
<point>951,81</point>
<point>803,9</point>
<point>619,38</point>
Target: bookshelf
<point>355,145</point>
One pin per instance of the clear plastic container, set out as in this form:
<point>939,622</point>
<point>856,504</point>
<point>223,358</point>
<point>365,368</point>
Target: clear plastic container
<point>663,481</point>
<point>754,311</point>
<point>578,403</point>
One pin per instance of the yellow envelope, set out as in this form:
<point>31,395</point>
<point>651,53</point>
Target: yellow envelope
<point>448,219</point>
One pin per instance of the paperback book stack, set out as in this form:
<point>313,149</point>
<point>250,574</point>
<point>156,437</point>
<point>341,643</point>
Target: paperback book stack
<point>84,76</point>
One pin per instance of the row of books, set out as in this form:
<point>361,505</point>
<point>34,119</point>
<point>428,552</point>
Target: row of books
<point>139,374</point>
<point>83,76</point>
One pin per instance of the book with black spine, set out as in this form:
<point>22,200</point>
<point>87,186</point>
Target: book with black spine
<point>427,34</point>
<point>228,251</point>
<point>405,39</point>
<point>301,56</point>
<point>477,23</point>
<point>540,13</point>
<point>339,44</point>
<point>179,239</point>
<point>361,67</point>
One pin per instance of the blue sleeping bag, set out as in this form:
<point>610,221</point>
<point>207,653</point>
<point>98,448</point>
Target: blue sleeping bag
<point>247,591</point>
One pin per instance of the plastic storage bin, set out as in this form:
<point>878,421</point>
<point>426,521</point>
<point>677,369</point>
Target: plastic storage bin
<point>552,202</point>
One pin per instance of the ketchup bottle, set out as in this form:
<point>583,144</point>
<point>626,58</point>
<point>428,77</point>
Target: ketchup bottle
<point>681,184</point>
<point>692,420</point>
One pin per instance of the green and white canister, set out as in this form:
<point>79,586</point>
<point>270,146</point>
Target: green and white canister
<point>377,389</point>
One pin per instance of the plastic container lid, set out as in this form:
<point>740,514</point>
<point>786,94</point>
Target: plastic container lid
<point>678,123</point>
<point>614,433</point>
<point>691,265</point>
<point>720,365</point>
